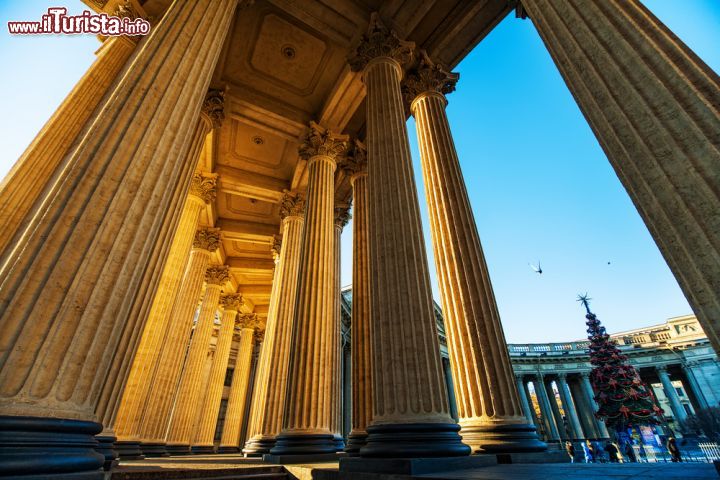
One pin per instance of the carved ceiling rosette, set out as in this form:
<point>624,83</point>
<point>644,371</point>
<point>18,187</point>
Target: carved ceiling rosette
<point>355,161</point>
<point>207,239</point>
<point>213,107</point>
<point>204,186</point>
<point>320,141</point>
<point>217,274</point>
<point>380,41</point>
<point>232,301</point>
<point>427,76</point>
<point>292,204</point>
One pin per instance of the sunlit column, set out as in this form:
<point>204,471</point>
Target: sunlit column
<point>410,416</point>
<point>546,411</point>
<point>488,404</point>
<point>569,407</point>
<point>676,406</point>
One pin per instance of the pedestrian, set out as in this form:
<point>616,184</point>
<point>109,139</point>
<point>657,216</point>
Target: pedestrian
<point>612,451</point>
<point>630,452</point>
<point>590,448</point>
<point>570,449</point>
<point>587,450</point>
<point>674,450</point>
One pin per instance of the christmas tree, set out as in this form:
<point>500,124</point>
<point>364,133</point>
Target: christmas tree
<point>623,399</point>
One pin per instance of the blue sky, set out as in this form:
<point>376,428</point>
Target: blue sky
<point>540,185</point>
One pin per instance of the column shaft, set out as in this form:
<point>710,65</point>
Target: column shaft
<point>551,427</point>
<point>569,408</point>
<point>22,187</point>
<point>182,426</point>
<point>675,404</point>
<point>653,106</point>
<point>210,407</point>
<point>694,387</point>
<point>590,396</point>
<point>524,402</point>
<point>272,371</point>
<point>308,411</point>
<point>61,313</point>
<point>410,406</point>
<point>487,398</point>
<point>232,427</point>
<point>555,409</point>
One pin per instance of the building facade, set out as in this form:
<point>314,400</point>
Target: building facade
<point>198,179</point>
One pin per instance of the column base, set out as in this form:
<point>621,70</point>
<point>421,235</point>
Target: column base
<point>177,449</point>
<point>39,447</point>
<point>339,442</point>
<point>202,449</point>
<point>303,444</point>
<point>508,438</point>
<point>154,449</point>
<point>410,467</point>
<point>226,449</point>
<point>129,450</point>
<point>414,440</point>
<point>106,448</point>
<point>257,447</point>
<point>355,442</point>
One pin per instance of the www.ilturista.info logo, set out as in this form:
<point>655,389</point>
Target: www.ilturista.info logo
<point>58,21</point>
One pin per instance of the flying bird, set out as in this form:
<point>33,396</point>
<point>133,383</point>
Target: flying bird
<point>537,269</point>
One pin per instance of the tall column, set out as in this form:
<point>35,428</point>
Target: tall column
<point>308,412</point>
<point>524,401</point>
<point>489,408</point>
<point>693,384</point>
<point>590,397</point>
<point>676,406</point>
<point>555,409</point>
<point>268,405</point>
<point>23,186</point>
<point>355,165</point>
<point>342,216</point>
<point>68,286</point>
<point>410,407</point>
<point>569,407</point>
<point>158,325</point>
<point>652,104</point>
<point>548,418</point>
<point>182,426</point>
<point>210,407</point>
<point>164,382</point>
<point>230,441</point>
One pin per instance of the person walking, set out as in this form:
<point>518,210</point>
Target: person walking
<point>587,450</point>
<point>570,449</point>
<point>674,450</point>
<point>613,452</point>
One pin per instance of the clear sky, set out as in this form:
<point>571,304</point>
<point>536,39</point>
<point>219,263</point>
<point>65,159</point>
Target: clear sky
<point>540,185</point>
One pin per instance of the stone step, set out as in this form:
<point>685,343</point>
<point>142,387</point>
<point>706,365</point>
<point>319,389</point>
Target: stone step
<point>253,473</point>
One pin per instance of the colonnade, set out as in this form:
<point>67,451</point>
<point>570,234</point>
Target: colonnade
<point>109,289</point>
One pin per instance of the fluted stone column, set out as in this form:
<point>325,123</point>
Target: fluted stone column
<point>230,441</point>
<point>676,406</point>
<point>65,301</point>
<point>342,216</point>
<point>569,407</point>
<point>23,186</point>
<point>693,384</point>
<point>159,323</point>
<point>268,403</point>
<point>524,401</point>
<point>559,420</point>
<point>210,409</point>
<point>653,106</point>
<point>548,417</point>
<point>308,409</point>
<point>355,165</point>
<point>410,406</point>
<point>164,382</point>
<point>489,407</point>
<point>189,393</point>
<point>590,397</point>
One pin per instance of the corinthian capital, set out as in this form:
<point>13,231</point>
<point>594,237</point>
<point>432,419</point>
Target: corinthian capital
<point>207,239</point>
<point>217,274</point>
<point>427,76</point>
<point>232,301</point>
<point>204,186</point>
<point>247,320</point>
<point>355,162</point>
<point>322,142</point>
<point>259,335</point>
<point>275,247</point>
<point>342,215</point>
<point>126,9</point>
<point>213,108</point>
<point>292,204</point>
<point>380,41</point>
